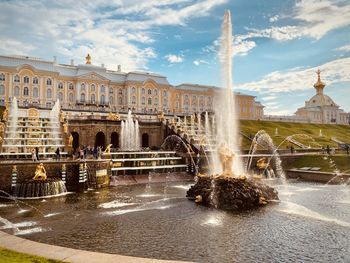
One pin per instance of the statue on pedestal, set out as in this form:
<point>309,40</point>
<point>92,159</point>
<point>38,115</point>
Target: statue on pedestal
<point>226,158</point>
<point>5,115</point>
<point>70,141</point>
<point>40,173</point>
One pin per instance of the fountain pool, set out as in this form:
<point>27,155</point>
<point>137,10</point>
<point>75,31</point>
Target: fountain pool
<point>310,224</point>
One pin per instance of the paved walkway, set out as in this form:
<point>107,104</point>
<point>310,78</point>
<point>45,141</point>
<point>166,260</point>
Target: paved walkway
<point>68,254</point>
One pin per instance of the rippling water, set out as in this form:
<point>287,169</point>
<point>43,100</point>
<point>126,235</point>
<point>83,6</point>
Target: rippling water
<point>311,223</point>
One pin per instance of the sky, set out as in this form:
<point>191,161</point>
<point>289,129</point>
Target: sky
<point>278,45</point>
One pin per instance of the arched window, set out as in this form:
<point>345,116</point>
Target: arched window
<point>102,99</point>
<point>2,90</point>
<point>155,92</point>
<point>26,79</point>
<point>149,101</point>
<point>120,91</point>
<point>120,100</point>
<point>17,79</point>
<point>156,101</point>
<point>35,92</point>
<point>143,91</point>
<point>2,77</point>
<point>71,87</point>
<point>70,97</point>
<point>149,92</point>
<point>17,91</point>
<point>49,93</point>
<point>93,98</point>
<point>48,82</point>
<point>103,89</point>
<point>60,96</point>
<point>133,90</point>
<point>25,91</point>
<point>82,87</point>
<point>110,99</point>
<point>93,87</point>
<point>82,97</point>
<point>133,100</point>
<point>143,101</point>
<point>60,85</point>
<point>35,80</point>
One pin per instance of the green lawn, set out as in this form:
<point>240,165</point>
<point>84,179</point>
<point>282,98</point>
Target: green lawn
<point>342,163</point>
<point>9,256</point>
<point>312,132</point>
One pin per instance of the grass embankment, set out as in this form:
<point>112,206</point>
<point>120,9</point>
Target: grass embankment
<point>330,164</point>
<point>340,132</point>
<point>9,256</point>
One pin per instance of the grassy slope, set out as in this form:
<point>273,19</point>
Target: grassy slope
<point>341,132</point>
<point>10,256</point>
<point>342,163</point>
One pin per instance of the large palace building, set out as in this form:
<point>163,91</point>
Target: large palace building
<point>87,87</point>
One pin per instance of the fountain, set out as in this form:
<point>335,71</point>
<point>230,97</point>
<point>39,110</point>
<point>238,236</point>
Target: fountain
<point>227,188</point>
<point>130,134</point>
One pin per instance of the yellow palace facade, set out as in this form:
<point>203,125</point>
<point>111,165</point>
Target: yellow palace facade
<point>87,87</point>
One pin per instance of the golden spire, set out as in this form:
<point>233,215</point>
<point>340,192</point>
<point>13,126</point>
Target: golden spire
<point>88,59</point>
<point>319,85</point>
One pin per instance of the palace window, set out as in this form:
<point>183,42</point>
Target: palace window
<point>155,92</point>
<point>48,82</point>
<point>35,80</point>
<point>82,87</point>
<point>165,101</point>
<point>60,96</point>
<point>120,100</point>
<point>149,92</point>
<point>133,90</point>
<point>82,97</point>
<point>149,101</point>
<point>71,87</point>
<point>25,91</point>
<point>17,91</point>
<point>143,101</point>
<point>103,89</point>
<point>2,77</point>
<point>2,90</point>
<point>111,91</point>
<point>133,100</point>
<point>110,99</point>
<point>156,101</point>
<point>93,98</point>
<point>93,87</point>
<point>2,102</point>
<point>26,79</point>
<point>165,93</point>
<point>17,79</point>
<point>70,97</point>
<point>60,85</point>
<point>102,99</point>
<point>120,91</point>
<point>143,91</point>
<point>35,92</point>
<point>49,93</point>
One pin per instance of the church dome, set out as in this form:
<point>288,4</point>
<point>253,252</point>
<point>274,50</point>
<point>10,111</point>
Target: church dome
<point>321,100</point>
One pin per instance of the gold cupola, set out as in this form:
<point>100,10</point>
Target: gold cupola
<point>319,85</point>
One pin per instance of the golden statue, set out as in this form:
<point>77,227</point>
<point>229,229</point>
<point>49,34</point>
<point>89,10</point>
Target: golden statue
<point>70,141</point>
<point>61,116</point>
<point>226,159</point>
<point>113,116</point>
<point>161,116</point>
<point>262,163</point>
<point>5,115</point>
<point>88,59</point>
<point>65,127</point>
<point>40,173</point>
<point>1,140</point>
<point>108,149</point>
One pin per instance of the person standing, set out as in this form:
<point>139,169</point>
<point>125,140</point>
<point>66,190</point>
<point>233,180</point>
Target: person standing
<point>37,153</point>
<point>33,155</point>
<point>58,153</point>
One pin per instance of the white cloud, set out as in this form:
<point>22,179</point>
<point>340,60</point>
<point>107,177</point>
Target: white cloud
<point>274,18</point>
<point>114,32</point>
<point>297,79</point>
<point>345,48</point>
<point>174,58</point>
<point>198,62</point>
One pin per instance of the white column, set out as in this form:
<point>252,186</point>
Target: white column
<point>10,85</point>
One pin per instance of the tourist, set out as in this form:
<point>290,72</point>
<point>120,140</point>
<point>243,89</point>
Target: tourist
<point>33,155</point>
<point>94,152</point>
<point>81,152</point>
<point>57,153</point>
<point>37,153</point>
<point>291,149</point>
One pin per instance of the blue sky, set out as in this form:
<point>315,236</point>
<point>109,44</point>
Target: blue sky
<point>278,44</point>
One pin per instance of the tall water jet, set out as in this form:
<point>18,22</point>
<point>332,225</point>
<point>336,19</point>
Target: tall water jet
<point>130,134</point>
<point>13,121</point>
<point>207,124</point>
<point>227,130</point>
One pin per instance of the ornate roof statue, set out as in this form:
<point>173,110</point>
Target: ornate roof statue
<point>88,59</point>
<point>319,85</point>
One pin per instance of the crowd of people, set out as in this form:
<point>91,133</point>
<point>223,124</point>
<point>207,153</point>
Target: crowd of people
<point>87,152</point>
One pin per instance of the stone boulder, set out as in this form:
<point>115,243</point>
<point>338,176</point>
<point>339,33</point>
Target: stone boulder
<point>236,194</point>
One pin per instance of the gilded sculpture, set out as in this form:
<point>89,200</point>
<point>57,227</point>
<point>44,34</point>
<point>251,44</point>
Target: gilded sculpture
<point>40,173</point>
